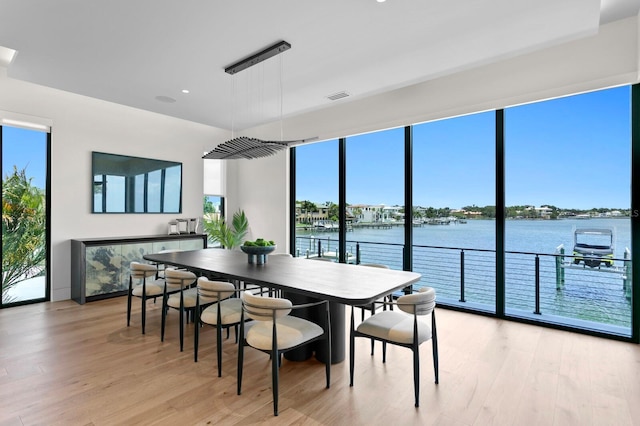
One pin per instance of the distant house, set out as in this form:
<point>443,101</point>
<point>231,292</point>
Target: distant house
<point>544,212</point>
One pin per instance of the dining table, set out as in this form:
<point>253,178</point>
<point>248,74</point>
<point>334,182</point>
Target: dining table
<point>305,279</point>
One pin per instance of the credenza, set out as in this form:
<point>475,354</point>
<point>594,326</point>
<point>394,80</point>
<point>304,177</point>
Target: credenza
<point>100,266</point>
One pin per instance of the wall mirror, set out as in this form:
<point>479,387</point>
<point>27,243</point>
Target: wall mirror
<point>125,184</point>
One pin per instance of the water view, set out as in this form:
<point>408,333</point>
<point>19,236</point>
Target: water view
<point>590,297</point>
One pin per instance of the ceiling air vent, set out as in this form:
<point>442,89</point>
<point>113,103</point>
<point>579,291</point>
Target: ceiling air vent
<point>338,95</point>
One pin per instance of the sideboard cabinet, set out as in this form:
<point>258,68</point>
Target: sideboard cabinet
<point>100,266</point>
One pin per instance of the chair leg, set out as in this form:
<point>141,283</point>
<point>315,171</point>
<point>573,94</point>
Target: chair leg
<point>240,359</point>
<point>327,365</point>
<point>164,316</point>
<point>416,374</point>
<point>352,341</point>
<point>196,337</point>
<point>434,344</point>
<point>182,313</point>
<point>219,347</point>
<point>129,302</point>
<point>384,352</point>
<point>275,380</point>
<point>144,311</point>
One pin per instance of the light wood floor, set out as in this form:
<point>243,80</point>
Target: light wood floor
<point>62,363</point>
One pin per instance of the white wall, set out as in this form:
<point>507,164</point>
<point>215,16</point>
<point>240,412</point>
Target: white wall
<point>81,125</point>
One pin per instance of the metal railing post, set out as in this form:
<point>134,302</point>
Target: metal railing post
<point>537,311</point>
<point>462,276</point>
<point>560,269</point>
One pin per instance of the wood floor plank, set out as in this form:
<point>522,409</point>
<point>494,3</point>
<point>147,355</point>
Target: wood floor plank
<point>67,364</point>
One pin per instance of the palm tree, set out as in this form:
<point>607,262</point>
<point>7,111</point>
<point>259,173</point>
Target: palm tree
<point>229,237</point>
<point>23,230</point>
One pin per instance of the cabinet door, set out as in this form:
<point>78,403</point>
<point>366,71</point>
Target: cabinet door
<point>103,269</point>
<point>159,246</point>
<point>191,244</point>
<point>132,252</point>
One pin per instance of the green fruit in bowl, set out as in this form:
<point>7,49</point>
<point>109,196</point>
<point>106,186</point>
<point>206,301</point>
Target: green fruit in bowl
<point>260,242</point>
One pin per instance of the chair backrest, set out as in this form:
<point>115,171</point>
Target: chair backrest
<point>213,291</point>
<point>264,308</point>
<point>142,270</point>
<point>423,301</point>
<point>175,277</point>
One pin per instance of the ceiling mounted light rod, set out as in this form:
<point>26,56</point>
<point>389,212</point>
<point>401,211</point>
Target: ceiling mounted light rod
<point>261,56</point>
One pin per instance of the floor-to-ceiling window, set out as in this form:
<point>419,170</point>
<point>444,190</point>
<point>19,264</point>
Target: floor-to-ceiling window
<point>24,215</point>
<point>525,213</point>
<point>316,199</point>
<point>567,233</point>
<point>454,208</point>
<point>375,197</point>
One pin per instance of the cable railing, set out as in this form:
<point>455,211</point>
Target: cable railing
<point>553,288</point>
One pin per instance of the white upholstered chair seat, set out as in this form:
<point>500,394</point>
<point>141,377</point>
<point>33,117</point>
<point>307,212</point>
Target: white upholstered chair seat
<point>179,282</point>
<point>230,312</point>
<point>214,298</point>
<point>292,331</point>
<point>405,327</point>
<point>143,289</point>
<point>154,288</point>
<point>394,326</point>
<point>275,332</point>
<point>189,296</point>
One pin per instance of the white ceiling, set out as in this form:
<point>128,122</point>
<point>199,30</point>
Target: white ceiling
<point>134,52</point>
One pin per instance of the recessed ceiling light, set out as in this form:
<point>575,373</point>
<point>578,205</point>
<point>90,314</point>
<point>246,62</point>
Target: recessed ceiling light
<point>165,99</point>
<point>6,56</point>
<point>185,90</point>
<point>381,1</point>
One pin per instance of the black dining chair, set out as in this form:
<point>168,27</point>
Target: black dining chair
<point>216,305</point>
<point>276,332</point>
<point>402,328</point>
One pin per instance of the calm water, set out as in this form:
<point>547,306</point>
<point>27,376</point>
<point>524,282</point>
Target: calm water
<point>587,295</point>
<point>533,236</point>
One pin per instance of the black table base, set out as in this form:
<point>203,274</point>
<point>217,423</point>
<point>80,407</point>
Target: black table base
<point>316,314</point>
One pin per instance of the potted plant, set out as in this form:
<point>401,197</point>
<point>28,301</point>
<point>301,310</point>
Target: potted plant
<point>229,237</point>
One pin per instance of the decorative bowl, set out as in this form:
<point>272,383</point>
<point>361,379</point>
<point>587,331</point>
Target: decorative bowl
<point>258,252</point>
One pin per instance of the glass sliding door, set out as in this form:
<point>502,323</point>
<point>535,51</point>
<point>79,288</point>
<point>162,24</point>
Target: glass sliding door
<point>24,215</point>
<point>454,209</point>
<point>316,200</point>
<point>375,198</point>
<point>567,234</point>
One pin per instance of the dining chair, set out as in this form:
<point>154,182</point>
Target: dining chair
<point>144,290</point>
<point>216,306</point>
<point>373,306</point>
<point>402,328</point>
<point>276,332</point>
<point>178,294</point>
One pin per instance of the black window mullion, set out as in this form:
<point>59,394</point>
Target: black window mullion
<point>635,212</point>
<point>342,200</point>
<point>407,262</point>
<point>500,215</point>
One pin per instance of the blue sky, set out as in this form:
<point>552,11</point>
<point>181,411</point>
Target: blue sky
<point>571,152</point>
<point>27,149</point>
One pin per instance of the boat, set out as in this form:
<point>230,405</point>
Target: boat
<point>593,247</point>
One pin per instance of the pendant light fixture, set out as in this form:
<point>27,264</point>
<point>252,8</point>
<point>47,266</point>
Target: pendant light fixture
<point>243,146</point>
